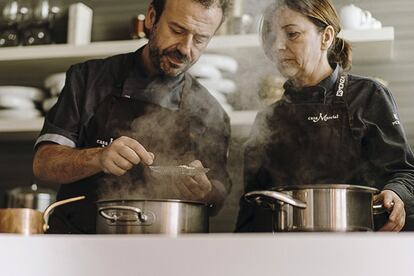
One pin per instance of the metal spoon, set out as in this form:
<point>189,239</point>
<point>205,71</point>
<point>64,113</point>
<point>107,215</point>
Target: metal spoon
<point>178,170</point>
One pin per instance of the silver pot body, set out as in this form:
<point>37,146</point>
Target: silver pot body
<point>171,217</point>
<point>30,197</point>
<point>320,208</point>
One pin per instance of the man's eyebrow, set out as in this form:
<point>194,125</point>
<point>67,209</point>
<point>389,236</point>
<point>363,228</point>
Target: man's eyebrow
<point>174,24</point>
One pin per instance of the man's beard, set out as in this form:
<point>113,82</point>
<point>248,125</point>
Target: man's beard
<point>156,55</point>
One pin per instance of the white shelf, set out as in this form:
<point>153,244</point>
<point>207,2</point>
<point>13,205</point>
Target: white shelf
<point>32,125</point>
<point>237,119</point>
<point>370,45</point>
<point>30,65</point>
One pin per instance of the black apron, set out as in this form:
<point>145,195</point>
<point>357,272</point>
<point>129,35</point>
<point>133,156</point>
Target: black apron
<point>169,134</point>
<point>307,143</point>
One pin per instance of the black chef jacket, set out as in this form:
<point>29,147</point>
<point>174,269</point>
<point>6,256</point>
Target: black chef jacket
<point>386,158</point>
<point>90,84</point>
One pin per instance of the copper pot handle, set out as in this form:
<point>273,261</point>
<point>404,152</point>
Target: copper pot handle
<point>53,206</point>
<point>140,214</point>
<point>272,195</point>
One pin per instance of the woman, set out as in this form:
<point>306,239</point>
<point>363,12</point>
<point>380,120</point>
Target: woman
<point>329,127</point>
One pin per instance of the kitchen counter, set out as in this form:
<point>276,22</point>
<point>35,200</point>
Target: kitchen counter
<point>320,254</point>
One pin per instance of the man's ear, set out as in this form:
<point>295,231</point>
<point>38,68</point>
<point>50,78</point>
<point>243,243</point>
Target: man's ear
<point>150,17</point>
<point>328,37</point>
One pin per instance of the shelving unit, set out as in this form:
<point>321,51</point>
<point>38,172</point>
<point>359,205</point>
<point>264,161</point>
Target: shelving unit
<point>31,64</point>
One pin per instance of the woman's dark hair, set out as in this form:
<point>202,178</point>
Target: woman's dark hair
<point>223,4</point>
<point>323,14</point>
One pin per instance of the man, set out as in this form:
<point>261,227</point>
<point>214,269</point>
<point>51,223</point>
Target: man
<point>117,116</point>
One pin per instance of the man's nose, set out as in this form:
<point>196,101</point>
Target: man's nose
<point>185,45</point>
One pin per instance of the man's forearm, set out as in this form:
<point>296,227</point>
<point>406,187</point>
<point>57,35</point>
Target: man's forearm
<point>60,164</point>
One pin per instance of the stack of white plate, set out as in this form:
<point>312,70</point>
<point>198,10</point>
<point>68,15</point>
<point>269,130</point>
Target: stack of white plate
<point>209,72</point>
<point>19,102</point>
<point>54,84</point>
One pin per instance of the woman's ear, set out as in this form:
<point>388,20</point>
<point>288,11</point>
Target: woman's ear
<point>328,37</point>
<point>150,17</point>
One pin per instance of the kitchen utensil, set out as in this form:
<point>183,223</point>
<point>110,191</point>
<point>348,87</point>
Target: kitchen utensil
<point>30,197</point>
<point>320,207</point>
<point>178,170</point>
<point>171,217</point>
<point>28,221</point>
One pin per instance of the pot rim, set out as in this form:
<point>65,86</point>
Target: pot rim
<point>193,202</point>
<point>350,187</point>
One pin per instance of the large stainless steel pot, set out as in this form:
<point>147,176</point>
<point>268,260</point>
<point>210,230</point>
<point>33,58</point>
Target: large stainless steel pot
<point>151,217</point>
<point>28,221</point>
<point>320,207</point>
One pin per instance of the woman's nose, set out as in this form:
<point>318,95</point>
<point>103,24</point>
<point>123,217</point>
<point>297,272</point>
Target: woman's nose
<point>280,43</point>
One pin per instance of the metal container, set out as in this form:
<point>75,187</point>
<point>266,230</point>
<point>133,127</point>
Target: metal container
<point>28,221</point>
<point>320,207</point>
<point>171,217</point>
<point>30,197</point>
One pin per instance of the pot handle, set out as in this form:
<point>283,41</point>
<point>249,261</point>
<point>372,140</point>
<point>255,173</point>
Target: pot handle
<point>53,206</point>
<point>272,195</point>
<point>380,209</point>
<point>141,216</point>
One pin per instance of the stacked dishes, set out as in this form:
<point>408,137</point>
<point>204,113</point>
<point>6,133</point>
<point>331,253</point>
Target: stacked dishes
<point>209,71</point>
<point>54,84</point>
<point>19,102</point>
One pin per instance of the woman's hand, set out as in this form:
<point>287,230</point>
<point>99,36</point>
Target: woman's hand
<point>393,203</point>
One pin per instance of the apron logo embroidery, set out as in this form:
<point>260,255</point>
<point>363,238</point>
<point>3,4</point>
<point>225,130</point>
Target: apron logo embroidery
<point>104,143</point>
<point>397,120</point>
<point>341,86</point>
<point>323,118</point>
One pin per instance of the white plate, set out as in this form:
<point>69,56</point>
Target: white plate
<point>32,93</point>
<point>13,102</point>
<point>225,86</point>
<point>49,103</point>
<point>55,83</point>
<point>19,114</point>
<point>202,70</point>
<point>221,62</point>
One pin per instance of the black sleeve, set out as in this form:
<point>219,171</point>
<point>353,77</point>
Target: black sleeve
<point>62,123</point>
<point>256,177</point>
<point>387,147</point>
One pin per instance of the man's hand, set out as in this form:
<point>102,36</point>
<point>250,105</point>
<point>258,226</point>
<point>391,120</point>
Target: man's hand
<point>194,187</point>
<point>122,155</point>
<point>393,203</point>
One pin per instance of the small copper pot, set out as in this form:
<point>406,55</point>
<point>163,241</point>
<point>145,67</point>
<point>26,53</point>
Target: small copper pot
<point>28,221</point>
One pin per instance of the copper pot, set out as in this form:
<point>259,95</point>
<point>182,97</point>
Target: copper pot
<point>28,221</point>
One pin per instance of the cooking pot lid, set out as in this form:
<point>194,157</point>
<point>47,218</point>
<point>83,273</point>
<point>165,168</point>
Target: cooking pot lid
<point>328,186</point>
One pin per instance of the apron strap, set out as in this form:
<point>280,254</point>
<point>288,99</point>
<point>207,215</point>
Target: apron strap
<point>341,88</point>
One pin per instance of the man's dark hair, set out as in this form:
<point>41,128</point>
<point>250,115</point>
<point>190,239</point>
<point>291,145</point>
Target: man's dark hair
<point>223,4</point>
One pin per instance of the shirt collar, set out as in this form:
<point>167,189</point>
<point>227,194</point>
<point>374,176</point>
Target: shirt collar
<point>311,94</point>
<point>161,90</point>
